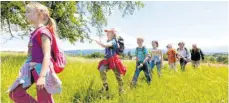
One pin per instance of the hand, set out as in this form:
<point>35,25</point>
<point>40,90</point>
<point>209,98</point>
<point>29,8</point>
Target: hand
<point>141,65</point>
<point>40,83</point>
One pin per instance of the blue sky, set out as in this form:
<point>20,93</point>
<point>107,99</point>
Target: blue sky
<point>204,23</point>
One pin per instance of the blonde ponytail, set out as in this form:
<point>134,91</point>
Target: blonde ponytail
<point>51,24</point>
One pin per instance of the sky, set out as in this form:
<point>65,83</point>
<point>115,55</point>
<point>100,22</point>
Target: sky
<point>203,23</point>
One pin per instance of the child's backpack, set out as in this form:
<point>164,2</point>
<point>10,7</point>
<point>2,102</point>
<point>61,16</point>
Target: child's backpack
<point>121,46</point>
<point>143,50</point>
<point>58,57</point>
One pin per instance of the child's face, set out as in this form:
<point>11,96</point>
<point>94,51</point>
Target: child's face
<point>154,44</point>
<point>194,47</point>
<point>31,15</point>
<point>169,48</point>
<point>110,35</point>
<point>139,41</point>
<point>181,45</point>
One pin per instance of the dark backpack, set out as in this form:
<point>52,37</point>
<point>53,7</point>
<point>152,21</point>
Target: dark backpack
<point>120,44</point>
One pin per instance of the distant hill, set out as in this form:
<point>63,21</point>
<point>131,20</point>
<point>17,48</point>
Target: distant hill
<point>90,51</point>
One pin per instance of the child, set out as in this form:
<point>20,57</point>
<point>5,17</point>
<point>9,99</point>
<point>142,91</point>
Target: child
<point>111,61</point>
<point>142,57</point>
<point>196,56</point>
<point>171,57</point>
<point>157,58</point>
<point>38,67</point>
<point>183,55</point>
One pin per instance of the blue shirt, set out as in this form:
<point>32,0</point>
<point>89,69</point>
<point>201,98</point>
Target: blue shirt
<point>111,51</point>
<point>141,54</point>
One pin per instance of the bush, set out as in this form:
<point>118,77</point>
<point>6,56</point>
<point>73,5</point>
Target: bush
<point>211,59</point>
<point>95,55</point>
<point>222,59</point>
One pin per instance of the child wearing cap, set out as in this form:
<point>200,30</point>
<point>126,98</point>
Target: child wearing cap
<point>142,57</point>
<point>111,61</point>
<point>156,58</point>
<point>171,57</point>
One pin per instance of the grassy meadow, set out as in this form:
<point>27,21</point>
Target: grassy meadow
<point>81,83</point>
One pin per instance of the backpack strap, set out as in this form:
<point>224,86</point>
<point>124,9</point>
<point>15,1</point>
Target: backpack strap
<point>136,51</point>
<point>143,50</point>
<point>187,53</point>
<point>186,50</point>
<point>44,30</point>
<point>38,36</point>
<point>54,46</point>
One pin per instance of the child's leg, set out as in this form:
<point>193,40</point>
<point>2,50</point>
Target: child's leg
<point>197,64</point>
<point>159,68</point>
<point>182,64</point>
<point>103,75</point>
<point>136,74</point>
<point>119,79</point>
<point>152,64</point>
<point>193,63</point>
<point>170,66</point>
<point>42,95</point>
<point>174,66</point>
<point>147,73</point>
<point>19,95</point>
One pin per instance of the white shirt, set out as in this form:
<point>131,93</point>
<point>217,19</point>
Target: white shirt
<point>184,53</point>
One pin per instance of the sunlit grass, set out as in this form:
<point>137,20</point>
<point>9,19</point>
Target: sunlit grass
<point>81,83</point>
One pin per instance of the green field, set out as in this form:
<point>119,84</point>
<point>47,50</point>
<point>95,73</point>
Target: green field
<point>81,83</point>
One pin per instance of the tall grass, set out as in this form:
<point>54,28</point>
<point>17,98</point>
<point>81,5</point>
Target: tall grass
<point>81,83</point>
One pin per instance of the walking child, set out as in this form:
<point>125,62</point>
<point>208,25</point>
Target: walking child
<point>142,58</point>
<point>39,67</point>
<point>111,60</point>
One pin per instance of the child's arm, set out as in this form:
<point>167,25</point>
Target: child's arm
<point>109,44</point>
<point>202,54</point>
<point>46,48</point>
<point>147,58</point>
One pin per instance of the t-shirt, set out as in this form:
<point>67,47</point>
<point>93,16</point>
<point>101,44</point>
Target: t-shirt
<point>111,51</point>
<point>141,54</point>
<point>171,55</point>
<point>156,55</point>
<point>184,53</point>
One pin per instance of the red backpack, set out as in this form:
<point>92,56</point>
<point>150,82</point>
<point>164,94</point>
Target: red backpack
<point>58,57</point>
